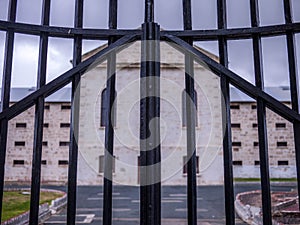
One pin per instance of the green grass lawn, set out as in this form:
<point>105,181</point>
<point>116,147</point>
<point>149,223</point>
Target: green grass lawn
<point>16,203</point>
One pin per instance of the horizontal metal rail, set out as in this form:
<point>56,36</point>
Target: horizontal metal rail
<point>196,35</point>
<point>235,33</point>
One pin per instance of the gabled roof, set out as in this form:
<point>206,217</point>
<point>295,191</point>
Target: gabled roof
<point>62,95</point>
<point>281,93</point>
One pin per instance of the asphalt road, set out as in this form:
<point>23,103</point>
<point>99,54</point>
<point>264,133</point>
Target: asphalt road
<point>210,202</point>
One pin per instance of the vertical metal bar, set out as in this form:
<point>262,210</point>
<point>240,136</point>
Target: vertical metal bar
<point>290,39</point>
<point>226,117</point>
<point>190,121</point>
<point>5,95</point>
<point>149,11</point>
<point>261,119</point>
<point>39,121</point>
<point>109,128</point>
<point>73,148</point>
<point>150,170</point>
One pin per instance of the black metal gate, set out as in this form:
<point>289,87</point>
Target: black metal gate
<point>150,195</point>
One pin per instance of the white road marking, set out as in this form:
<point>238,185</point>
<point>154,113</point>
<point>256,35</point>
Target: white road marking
<point>118,219</point>
<point>100,209</point>
<point>89,218</point>
<point>171,201</point>
<point>114,193</point>
<point>122,210</point>
<point>184,210</point>
<point>88,209</point>
<point>178,198</point>
<point>114,198</point>
<point>174,198</point>
<point>177,195</point>
<point>163,201</point>
<point>121,198</point>
<point>94,199</point>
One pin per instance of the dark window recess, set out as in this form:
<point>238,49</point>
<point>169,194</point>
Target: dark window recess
<point>104,110</point>
<point>236,149</point>
<point>19,143</point>
<point>21,125</point>
<point>234,106</point>
<point>253,107</point>
<point>280,125</point>
<point>236,144</point>
<point>47,107</point>
<point>184,98</point>
<point>63,162</point>
<point>64,143</point>
<point>185,164</point>
<point>254,125</point>
<point>65,125</point>
<point>237,163</point>
<point>44,162</point>
<point>255,144</point>
<point>101,164</point>
<point>283,163</point>
<point>46,125</point>
<point>45,143</point>
<point>256,163</point>
<point>236,125</point>
<point>18,162</point>
<point>64,107</point>
<point>281,144</point>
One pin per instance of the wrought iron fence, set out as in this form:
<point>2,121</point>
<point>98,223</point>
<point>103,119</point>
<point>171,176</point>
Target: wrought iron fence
<point>150,195</point>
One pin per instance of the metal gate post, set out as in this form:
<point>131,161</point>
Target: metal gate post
<point>39,121</point>
<point>191,114</point>
<point>150,190</point>
<point>226,118</point>
<point>5,93</point>
<point>109,126</point>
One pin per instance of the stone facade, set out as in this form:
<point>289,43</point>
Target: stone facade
<point>126,142</point>
<point>173,130</point>
<point>245,143</point>
<point>55,145</point>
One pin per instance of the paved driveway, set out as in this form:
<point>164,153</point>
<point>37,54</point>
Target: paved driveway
<point>126,205</point>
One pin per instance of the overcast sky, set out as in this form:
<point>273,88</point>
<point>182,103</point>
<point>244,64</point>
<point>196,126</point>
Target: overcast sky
<point>168,15</point>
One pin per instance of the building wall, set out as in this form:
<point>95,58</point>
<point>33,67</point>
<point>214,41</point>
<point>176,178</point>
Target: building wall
<point>280,142</point>
<point>55,147</point>
<point>173,133</point>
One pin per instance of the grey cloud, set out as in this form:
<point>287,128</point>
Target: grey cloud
<point>169,15</point>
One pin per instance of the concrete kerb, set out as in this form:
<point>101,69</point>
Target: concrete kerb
<point>252,214</point>
<point>45,211</point>
<point>247,213</point>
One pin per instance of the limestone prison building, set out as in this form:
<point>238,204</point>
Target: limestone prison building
<point>125,118</point>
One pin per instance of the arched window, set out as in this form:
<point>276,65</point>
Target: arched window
<point>104,109</point>
<point>184,111</point>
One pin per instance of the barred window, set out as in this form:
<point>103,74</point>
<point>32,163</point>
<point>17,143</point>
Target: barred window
<point>104,109</point>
